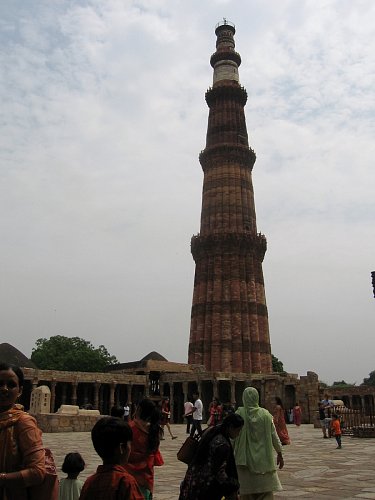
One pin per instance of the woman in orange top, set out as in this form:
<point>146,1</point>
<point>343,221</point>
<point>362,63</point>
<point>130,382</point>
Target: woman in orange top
<point>145,452</point>
<point>279,421</point>
<point>22,456</point>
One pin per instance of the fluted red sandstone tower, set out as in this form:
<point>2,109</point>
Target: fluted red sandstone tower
<point>229,321</point>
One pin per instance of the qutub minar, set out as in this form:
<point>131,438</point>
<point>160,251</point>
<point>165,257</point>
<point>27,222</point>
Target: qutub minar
<point>229,346</point>
<point>229,320</point>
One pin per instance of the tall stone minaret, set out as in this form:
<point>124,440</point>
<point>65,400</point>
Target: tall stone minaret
<point>229,321</point>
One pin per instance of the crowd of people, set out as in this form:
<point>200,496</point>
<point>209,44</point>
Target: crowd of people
<point>237,455</point>
<point>129,452</point>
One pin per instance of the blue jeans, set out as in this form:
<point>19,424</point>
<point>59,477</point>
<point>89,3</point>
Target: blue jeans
<point>197,426</point>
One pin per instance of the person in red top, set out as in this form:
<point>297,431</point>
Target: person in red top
<point>336,430</point>
<point>145,452</point>
<point>216,413</point>
<point>166,416</point>
<point>111,437</point>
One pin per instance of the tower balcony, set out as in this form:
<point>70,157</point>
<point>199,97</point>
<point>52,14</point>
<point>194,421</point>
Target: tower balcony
<point>226,91</point>
<point>225,25</point>
<point>232,153</point>
<point>238,243</point>
<point>225,55</point>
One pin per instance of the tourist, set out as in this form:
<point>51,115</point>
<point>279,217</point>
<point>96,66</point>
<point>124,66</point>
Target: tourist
<point>290,415</point>
<point>111,437</point>
<point>216,412</point>
<point>254,450</point>
<point>279,421</point>
<point>22,456</point>
<point>212,475</point>
<point>145,452</point>
<point>166,416</point>
<point>188,414</point>
<point>126,412</point>
<point>322,420</point>
<point>117,411</point>
<point>297,414</point>
<point>70,487</point>
<point>197,415</point>
<point>328,406</point>
<point>336,430</point>
<point>228,409</point>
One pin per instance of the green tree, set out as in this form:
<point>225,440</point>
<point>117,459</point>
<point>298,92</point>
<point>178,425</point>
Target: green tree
<point>341,383</point>
<point>70,354</point>
<point>277,365</point>
<point>370,380</point>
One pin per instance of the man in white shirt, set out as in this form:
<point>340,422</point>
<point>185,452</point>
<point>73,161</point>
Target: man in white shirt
<point>126,412</point>
<point>197,415</point>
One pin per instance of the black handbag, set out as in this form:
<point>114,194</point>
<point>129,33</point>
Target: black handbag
<point>188,449</point>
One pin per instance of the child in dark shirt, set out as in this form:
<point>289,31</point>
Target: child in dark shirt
<point>111,437</point>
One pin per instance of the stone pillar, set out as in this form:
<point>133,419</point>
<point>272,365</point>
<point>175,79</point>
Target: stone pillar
<point>35,383</point>
<point>147,385</point>
<point>112,394</point>
<point>53,395</point>
<point>363,404</point>
<point>215,388</point>
<point>130,390</point>
<point>63,393</point>
<point>85,394</point>
<point>263,393</point>
<point>185,390</point>
<point>171,401</point>
<point>74,392</point>
<point>96,394</point>
<point>233,392</point>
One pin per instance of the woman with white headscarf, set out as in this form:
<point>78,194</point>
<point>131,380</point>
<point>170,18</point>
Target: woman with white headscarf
<point>254,450</point>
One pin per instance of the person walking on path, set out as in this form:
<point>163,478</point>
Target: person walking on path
<point>145,454</point>
<point>336,430</point>
<point>328,406</point>
<point>254,450</point>
<point>322,420</point>
<point>166,416</point>
<point>197,415</point>
<point>279,421</point>
<point>297,414</point>
<point>212,475</point>
<point>126,412</point>
<point>216,413</point>
<point>188,414</point>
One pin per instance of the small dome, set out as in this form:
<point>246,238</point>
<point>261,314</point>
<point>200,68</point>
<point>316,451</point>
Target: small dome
<point>12,356</point>
<point>155,356</point>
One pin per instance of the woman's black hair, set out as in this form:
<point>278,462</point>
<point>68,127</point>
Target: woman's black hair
<point>107,434</point>
<point>17,370</point>
<point>232,420</point>
<point>73,463</point>
<point>117,411</point>
<point>279,402</point>
<point>148,412</point>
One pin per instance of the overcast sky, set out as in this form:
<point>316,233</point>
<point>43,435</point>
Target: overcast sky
<point>103,118</point>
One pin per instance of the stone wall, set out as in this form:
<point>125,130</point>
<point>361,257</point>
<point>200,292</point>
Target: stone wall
<point>53,422</point>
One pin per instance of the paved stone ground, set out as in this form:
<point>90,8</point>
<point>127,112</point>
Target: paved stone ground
<point>313,466</point>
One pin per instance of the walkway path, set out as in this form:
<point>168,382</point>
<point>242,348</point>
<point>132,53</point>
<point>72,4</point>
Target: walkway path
<point>313,466</point>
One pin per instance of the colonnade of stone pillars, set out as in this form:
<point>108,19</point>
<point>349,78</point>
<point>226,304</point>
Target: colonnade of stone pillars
<point>97,402</point>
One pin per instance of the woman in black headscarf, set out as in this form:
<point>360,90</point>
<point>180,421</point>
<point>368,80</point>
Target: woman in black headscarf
<point>212,473</point>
